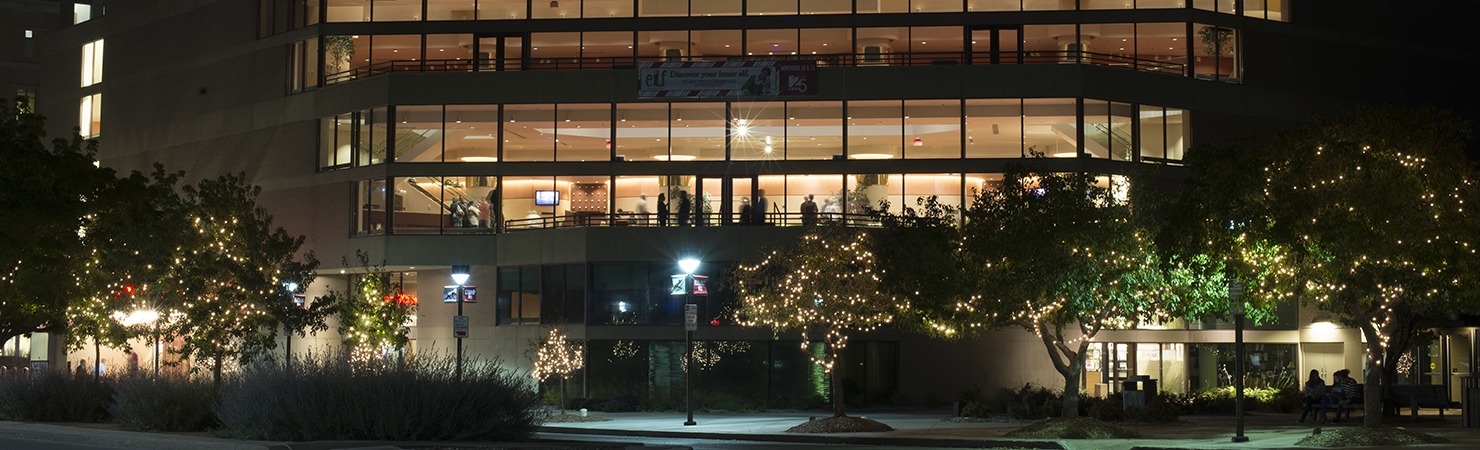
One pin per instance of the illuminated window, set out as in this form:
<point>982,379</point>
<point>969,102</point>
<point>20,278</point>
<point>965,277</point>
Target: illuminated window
<point>89,117</point>
<point>92,63</point>
<point>81,12</point>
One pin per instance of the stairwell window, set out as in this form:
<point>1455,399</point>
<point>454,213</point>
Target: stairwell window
<point>89,117</point>
<point>92,63</point>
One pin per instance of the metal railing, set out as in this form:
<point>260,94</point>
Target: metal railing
<point>822,60</point>
<point>622,220</point>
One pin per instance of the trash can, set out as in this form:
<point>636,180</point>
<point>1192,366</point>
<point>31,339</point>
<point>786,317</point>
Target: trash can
<point>1148,387</point>
<point>1470,399</point>
<point>1131,395</point>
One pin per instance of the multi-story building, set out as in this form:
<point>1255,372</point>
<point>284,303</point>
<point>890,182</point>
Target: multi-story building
<point>568,128</point>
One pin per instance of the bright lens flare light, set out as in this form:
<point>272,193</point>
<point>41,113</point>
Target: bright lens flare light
<point>139,317</point>
<point>688,265</point>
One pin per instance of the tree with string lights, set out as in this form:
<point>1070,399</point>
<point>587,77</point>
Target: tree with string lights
<point>133,236</point>
<point>1369,212</point>
<point>375,314</point>
<point>827,284</point>
<point>230,278</point>
<point>46,198</point>
<point>1063,256</point>
<point>556,356</point>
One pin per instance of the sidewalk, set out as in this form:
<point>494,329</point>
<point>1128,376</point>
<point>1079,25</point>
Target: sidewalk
<point>929,429</point>
<point>912,429</point>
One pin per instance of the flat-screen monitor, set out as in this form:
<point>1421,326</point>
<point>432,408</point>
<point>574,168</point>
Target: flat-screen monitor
<point>547,198</point>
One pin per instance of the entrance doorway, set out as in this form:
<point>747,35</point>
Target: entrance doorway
<point>994,45</point>
<point>501,52</point>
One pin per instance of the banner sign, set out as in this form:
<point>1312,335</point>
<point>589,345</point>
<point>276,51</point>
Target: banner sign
<point>449,294</point>
<point>726,79</point>
<point>679,286</point>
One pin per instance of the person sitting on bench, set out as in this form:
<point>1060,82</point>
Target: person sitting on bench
<point>1315,394</point>
<point>1346,391</point>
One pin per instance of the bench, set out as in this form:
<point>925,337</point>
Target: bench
<point>1423,396</point>
<point>1343,406</point>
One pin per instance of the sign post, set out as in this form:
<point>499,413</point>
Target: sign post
<point>459,326</point>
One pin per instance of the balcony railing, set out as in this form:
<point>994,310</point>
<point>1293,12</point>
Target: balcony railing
<point>622,220</point>
<point>823,60</point>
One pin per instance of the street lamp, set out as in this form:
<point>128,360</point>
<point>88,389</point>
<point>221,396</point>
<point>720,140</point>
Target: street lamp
<point>460,275</point>
<point>691,317</point>
<point>1236,307</point>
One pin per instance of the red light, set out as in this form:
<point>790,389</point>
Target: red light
<point>714,323</point>
<point>401,298</point>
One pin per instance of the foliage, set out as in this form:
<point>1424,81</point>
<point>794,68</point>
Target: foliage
<point>556,357</point>
<point>373,316</point>
<point>1218,39</point>
<point>134,235</point>
<point>915,250</point>
<point>331,397</point>
<point>46,196</point>
<point>828,282</point>
<point>54,397</point>
<point>232,276</point>
<point>1363,216</point>
<point>1062,256</point>
<point>164,404</point>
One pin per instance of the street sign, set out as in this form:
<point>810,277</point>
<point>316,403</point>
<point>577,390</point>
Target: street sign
<point>459,326</point>
<point>691,317</point>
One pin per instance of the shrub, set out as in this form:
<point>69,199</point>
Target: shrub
<point>54,397</point>
<point>1034,402</point>
<point>164,404</point>
<point>415,399</point>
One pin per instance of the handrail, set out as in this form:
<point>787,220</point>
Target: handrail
<point>822,60</point>
<point>615,220</point>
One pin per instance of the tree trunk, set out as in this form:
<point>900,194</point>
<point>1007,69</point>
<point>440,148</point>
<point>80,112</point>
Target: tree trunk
<point>1372,391</point>
<point>835,376</point>
<point>216,369</point>
<point>97,361</point>
<point>562,395</point>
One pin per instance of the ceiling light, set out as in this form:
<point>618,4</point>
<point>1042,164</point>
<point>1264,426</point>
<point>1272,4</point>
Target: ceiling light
<point>768,149</point>
<point>870,156</point>
<point>479,159</point>
<point>675,157</point>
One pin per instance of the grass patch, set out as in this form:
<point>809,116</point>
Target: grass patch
<point>843,424</point>
<point>1073,428</point>
<point>1367,437</point>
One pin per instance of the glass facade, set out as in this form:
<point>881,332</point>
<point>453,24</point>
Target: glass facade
<point>283,15</point>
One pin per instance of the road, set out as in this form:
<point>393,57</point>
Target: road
<point>17,443</point>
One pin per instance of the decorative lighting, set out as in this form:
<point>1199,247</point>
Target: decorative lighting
<point>918,142</point>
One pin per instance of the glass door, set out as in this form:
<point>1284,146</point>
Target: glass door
<point>501,52</point>
<point>994,45</point>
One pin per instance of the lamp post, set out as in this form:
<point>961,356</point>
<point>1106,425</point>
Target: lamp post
<point>1236,307</point>
<point>689,265</point>
<point>292,287</point>
<point>460,276</point>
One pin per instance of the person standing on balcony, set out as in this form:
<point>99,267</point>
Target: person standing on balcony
<point>662,211</point>
<point>684,208</point>
<point>809,212</point>
<point>745,211</point>
<point>642,209</point>
<point>760,207</point>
